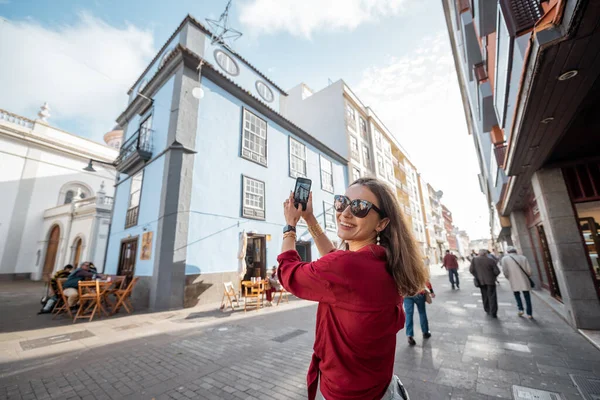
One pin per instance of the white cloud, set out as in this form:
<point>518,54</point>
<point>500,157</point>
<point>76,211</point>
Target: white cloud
<point>418,98</point>
<point>302,18</point>
<point>82,70</point>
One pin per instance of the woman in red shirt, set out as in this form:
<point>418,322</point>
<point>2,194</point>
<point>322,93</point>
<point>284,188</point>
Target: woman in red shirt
<point>359,290</point>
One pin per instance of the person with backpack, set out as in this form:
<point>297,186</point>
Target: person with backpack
<point>518,272</point>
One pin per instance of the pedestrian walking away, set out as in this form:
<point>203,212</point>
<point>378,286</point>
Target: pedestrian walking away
<point>359,290</point>
<point>420,301</point>
<point>451,264</point>
<point>485,270</point>
<point>517,270</point>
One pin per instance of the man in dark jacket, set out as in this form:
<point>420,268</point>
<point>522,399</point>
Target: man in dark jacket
<point>451,264</point>
<point>70,287</point>
<point>485,270</point>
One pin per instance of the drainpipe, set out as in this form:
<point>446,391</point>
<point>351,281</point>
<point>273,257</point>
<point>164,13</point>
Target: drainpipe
<point>112,211</point>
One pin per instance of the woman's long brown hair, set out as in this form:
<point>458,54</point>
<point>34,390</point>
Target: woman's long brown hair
<point>404,261</point>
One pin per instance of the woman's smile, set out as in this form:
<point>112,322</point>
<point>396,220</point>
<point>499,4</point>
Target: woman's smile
<point>346,226</point>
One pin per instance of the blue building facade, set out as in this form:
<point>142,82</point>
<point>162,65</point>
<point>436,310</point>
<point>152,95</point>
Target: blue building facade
<point>207,159</point>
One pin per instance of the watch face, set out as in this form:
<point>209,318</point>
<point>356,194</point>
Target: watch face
<point>288,228</point>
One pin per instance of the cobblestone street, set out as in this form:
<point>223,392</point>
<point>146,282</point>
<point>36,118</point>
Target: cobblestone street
<point>265,356</point>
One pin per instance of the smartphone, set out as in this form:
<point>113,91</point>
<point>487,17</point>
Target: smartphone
<point>301,192</point>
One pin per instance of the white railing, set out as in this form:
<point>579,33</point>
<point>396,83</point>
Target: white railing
<point>84,202</point>
<point>15,119</point>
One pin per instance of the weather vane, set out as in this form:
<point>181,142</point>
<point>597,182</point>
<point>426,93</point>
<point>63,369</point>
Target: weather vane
<point>220,28</point>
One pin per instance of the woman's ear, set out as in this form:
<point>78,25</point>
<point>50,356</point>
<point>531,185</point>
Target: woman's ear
<point>383,224</point>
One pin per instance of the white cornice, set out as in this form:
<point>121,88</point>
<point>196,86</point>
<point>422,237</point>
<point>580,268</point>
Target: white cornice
<point>30,137</point>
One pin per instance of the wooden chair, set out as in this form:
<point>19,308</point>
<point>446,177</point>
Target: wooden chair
<point>117,283</point>
<point>62,304</point>
<point>228,292</point>
<point>123,297</point>
<point>89,298</point>
<point>282,293</point>
<point>253,291</point>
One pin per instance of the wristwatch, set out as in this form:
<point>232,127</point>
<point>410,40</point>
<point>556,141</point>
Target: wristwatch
<point>289,228</point>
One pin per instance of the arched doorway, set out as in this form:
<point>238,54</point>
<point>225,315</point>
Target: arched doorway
<point>77,251</point>
<point>51,251</point>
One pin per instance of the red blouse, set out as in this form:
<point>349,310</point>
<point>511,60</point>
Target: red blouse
<point>359,314</point>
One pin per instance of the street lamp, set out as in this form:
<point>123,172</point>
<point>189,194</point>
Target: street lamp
<point>90,166</point>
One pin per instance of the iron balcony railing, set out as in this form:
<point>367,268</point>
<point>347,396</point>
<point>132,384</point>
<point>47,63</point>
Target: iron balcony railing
<point>131,218</point>
<point>139,142</point>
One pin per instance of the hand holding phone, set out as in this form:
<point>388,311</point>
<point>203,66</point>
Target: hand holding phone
<point>301,192</point>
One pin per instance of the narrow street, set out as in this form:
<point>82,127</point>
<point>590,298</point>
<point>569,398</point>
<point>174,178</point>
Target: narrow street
<point>265,356</point>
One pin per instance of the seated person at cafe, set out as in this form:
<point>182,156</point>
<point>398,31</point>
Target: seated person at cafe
<point>51,302</point>
<point>63,273</point>
<point>71,285</point>
<point>275,285</point>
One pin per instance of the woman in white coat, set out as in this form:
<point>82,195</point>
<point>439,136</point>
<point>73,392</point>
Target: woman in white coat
<point>517,270</point>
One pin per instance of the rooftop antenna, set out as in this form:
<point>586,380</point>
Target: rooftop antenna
<point>220,28</point>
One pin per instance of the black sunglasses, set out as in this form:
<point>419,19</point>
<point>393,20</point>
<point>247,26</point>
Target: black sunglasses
<point>358,208</point>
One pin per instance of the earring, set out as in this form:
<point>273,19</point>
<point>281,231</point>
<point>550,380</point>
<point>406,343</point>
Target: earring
<point>378,239</point>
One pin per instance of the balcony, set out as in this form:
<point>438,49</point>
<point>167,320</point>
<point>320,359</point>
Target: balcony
<point>131,218</point>
<point>500,154</point>
<point>135,151</point>
<point>480,71</point>
<point>90,205</point>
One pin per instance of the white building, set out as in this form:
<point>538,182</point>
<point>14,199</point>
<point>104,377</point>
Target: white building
<point>338,118</point>
<point>52,212</point>
<point>416,211</point>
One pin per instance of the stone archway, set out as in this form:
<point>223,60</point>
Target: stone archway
<point>51,252</point>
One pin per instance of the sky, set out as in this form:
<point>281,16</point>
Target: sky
<point>82,57</point>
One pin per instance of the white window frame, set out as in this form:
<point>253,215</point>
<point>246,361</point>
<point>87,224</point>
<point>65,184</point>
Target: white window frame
<point>354,143</point>
<point>136,192</point>
<point>249,208</point>
<point>366,156</point>
<point>226,63</point>
<point>364,134</point>
<point>380,165</point>
<point>378,138</point>
<point>355,171</point>
<point>299,156</point>
<point>326,174</point>
<point>328,210</point>
<point>351,116</point>
<point>254,138</point>
<point>264,91</point>
<point>389,170</point>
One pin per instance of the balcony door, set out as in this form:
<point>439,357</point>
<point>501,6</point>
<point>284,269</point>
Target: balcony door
<point>127,258</point>
<point>145,129</point>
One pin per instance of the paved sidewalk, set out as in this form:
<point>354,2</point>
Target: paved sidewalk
<point>265,354</point>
